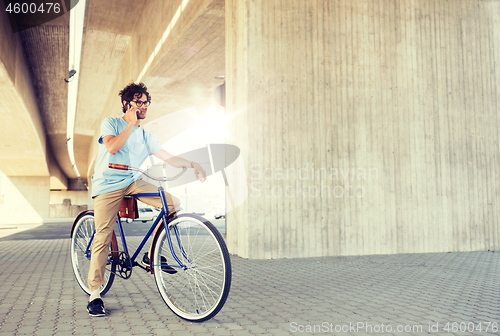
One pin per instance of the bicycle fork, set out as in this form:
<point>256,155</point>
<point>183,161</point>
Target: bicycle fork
<point>181,248</point>
<point>176,231</point>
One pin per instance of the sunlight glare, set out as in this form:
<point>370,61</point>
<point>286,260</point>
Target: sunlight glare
<point>212,127</point>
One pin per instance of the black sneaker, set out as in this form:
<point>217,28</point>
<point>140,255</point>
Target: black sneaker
<point>164,268</point>
<point>96,308</point>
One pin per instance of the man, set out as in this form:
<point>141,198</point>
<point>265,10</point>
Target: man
<point>123,141</point>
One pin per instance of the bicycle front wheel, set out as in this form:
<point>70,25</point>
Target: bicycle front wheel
<point>198,291</point>
<point>81,250</point>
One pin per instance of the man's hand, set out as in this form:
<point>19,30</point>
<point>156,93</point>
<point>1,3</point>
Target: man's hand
<point>179,162</point>
<point>198,169</point>
<point>131,114</point>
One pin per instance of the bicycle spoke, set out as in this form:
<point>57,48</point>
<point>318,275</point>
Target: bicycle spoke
<point>180,291</point>
<point>210,291</point>
<point>206,275</point>
<point>214,251</point>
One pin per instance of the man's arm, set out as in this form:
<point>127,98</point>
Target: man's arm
<point>115,143</point>
<point>179,162</point>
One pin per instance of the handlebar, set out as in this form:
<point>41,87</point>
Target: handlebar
<point>118,166</point>
<point>125,167</point>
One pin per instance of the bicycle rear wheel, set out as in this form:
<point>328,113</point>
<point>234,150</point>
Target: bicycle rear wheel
<point>199,291</point>
<point>82,234</point>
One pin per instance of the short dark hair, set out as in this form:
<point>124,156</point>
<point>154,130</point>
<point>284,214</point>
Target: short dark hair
<point>132,91</point>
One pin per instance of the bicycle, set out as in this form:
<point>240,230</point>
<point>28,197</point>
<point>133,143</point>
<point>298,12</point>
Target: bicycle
<point>195,287</point>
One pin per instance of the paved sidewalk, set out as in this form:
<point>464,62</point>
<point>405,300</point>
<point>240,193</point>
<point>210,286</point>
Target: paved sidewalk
<point>360,295</point>
<point>7,230</point>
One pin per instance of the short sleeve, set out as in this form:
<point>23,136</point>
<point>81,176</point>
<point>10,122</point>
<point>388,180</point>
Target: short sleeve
<point>154,146</point>
<point>108,127</point>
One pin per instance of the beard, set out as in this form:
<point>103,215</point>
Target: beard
<point>141,115</point>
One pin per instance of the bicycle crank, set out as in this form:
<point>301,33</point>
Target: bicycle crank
<point>123,265</point>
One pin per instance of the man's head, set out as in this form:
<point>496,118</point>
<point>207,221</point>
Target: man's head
<point>136,95</point>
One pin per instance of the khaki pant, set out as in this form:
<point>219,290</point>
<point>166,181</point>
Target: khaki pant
<point>105,209</point>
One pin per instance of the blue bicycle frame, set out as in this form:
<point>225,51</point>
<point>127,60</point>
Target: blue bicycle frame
<point>163,215</point>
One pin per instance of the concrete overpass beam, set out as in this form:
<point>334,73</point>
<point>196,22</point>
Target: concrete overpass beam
<point>22,135</point>
<point>26,162</point>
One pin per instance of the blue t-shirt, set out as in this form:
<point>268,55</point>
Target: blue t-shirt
<point>133,153</point>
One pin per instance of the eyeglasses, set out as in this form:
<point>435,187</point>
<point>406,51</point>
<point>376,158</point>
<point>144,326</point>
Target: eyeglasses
<point>139,103</point>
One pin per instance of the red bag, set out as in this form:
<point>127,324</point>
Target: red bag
<point>128,208</point>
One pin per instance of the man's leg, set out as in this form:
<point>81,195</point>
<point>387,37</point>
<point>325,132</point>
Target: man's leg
<point>105,209</point>
<point>145,187</point>
<point>141,186</point>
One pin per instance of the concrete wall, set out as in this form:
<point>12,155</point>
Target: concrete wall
<point>366,127</point>
<point>23,199</point>
<point>67,203</point>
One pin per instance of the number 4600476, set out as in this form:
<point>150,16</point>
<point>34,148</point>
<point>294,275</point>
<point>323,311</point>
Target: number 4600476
<point>32,8</point>
<point>470,327</point>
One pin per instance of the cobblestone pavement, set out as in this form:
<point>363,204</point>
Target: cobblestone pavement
<point>408,294</point>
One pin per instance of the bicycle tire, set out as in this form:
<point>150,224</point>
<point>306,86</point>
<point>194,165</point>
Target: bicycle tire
<point>198,292</point>
<point>82,232</point>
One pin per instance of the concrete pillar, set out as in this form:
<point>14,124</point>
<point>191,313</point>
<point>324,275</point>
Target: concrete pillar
<point>366,127</point>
